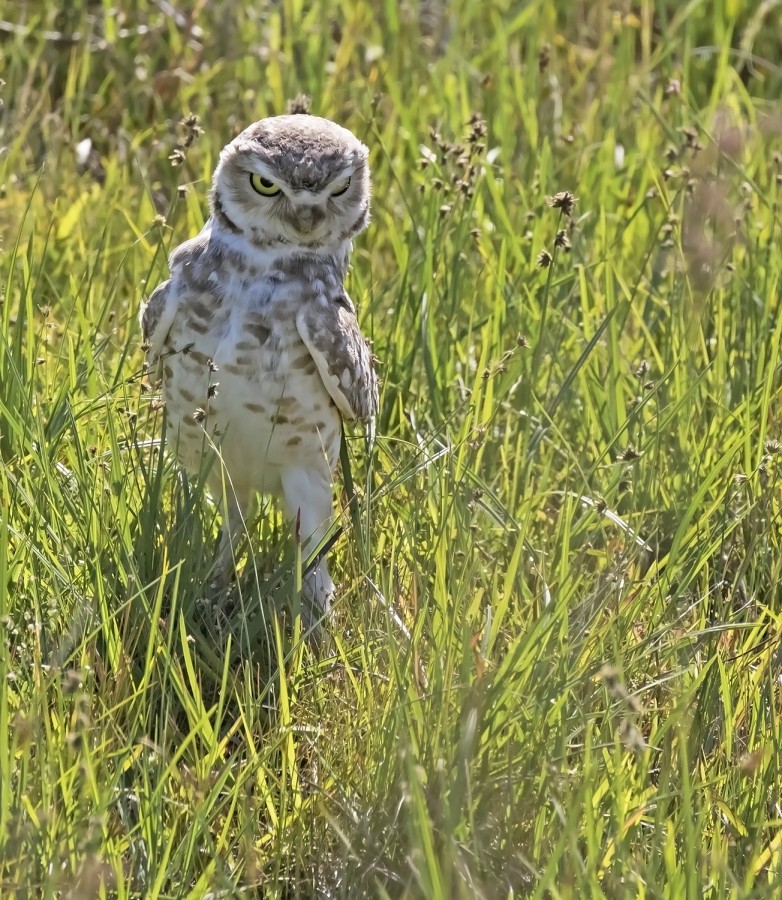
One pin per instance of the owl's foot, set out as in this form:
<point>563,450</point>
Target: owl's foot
<point>316,597</point>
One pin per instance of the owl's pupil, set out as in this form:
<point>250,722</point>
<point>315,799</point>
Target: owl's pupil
<point>266,183</point>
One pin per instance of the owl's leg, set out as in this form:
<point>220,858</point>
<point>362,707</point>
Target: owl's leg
<point>237,508</point>
<point>308,498</point>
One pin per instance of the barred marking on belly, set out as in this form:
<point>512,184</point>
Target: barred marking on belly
<point>305,361</point>
<point>260,332</point>
<point>256,407</point>
<point>288,402</point>
<point>198,308</point>
<point>197,326</point>
<point>201,358</point>
<point>246,345</point>
<point>293,441</point>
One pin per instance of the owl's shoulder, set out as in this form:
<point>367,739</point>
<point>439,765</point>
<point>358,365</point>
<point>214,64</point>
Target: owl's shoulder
<point>194,252</point>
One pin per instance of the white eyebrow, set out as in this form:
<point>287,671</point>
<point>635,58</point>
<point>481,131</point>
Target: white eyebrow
<point>324,192</point>
<point>347,172</point>
<point>258,168</point>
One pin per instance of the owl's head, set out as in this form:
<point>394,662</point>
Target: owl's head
<point>298,180</point>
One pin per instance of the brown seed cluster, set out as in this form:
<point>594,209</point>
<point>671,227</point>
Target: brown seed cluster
<point>565,202</point>
<point>455,165</point>
<point>629,454</point>
<point>300,105</point>
<point>646,384</point>
<point>544,259</point>
<point>191,130</point>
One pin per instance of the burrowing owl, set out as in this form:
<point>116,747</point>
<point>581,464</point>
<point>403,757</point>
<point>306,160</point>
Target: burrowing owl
<point>254,336</point>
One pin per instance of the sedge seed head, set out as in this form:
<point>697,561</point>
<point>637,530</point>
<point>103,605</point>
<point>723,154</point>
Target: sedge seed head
<point>564,200</point>
<point>544,259</point>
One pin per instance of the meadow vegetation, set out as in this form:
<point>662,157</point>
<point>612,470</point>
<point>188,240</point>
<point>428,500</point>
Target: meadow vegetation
<point>554,667</point>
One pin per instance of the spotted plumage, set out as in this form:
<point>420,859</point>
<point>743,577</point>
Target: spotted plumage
<point>255,339</point>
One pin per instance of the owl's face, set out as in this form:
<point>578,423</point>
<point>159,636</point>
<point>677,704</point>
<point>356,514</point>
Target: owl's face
<point>298,180</point>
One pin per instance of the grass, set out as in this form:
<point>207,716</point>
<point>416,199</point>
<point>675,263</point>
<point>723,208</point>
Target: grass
<point>554,668</point>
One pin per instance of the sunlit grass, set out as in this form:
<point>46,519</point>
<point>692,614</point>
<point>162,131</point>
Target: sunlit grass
<point>553,666</point>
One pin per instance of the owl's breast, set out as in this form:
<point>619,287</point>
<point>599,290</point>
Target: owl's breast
<point>251,384</point>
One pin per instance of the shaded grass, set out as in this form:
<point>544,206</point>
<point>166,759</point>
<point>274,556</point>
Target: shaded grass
<point>554,669</point>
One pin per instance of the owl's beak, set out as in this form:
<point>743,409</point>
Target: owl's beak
<point>308,217</point>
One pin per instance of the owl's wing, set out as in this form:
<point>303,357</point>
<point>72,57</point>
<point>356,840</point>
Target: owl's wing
<point>329,328</point>
<point>156,317</point>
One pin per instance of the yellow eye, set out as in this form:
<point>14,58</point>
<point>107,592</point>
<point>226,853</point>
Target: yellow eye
<point>340,187</point>
<point>263,186</point>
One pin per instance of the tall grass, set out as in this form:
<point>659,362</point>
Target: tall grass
<point>553,668</point>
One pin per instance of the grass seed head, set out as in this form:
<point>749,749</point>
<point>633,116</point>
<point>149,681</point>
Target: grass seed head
<point>192,127</point>
<point>477,126</point>
<point>629,454</point>
<point>300,105</point>
<point>544,259</point>
<point>564,200</point>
